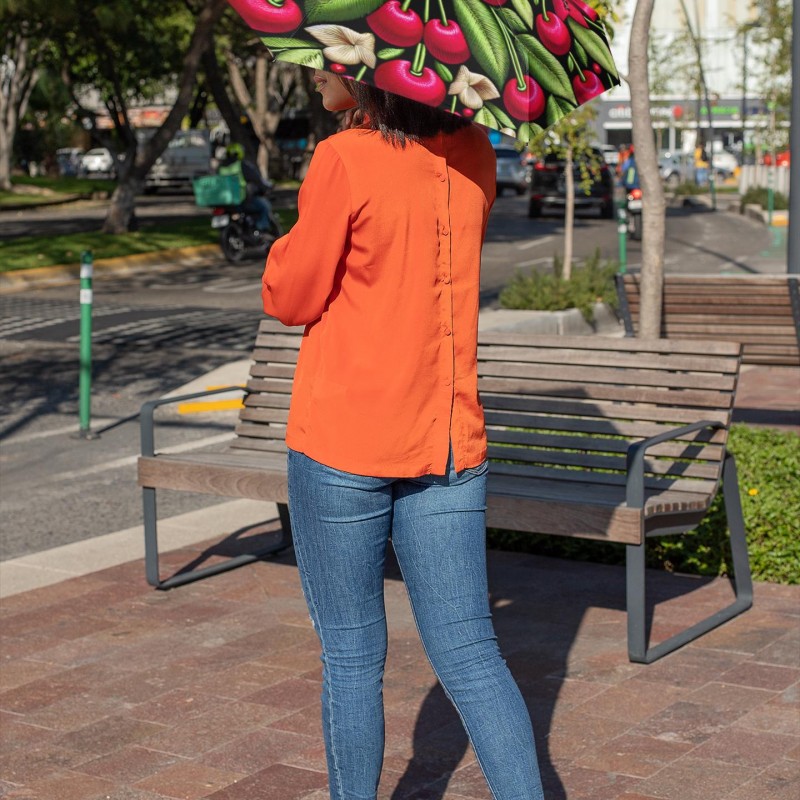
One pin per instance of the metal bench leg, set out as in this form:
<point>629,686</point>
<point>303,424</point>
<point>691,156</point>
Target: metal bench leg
<point>151,548</point>
<point>635,580</point>
<point>150,537</point>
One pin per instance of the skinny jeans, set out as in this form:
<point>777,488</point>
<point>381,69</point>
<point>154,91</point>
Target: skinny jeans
<point>341,526</point>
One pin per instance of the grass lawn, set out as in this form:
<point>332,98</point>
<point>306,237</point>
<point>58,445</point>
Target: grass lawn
<point>49,189</point>
<point>43,251</point>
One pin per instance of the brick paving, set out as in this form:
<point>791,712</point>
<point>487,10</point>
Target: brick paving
<point>112,690</point>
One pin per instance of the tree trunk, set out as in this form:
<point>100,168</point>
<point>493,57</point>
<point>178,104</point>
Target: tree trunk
<point>123,201</point>
<point>230,114</point>
<point>18,77</point>
<point>569,214</point>
<point>654,207</point>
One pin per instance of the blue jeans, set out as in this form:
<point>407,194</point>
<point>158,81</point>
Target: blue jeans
<point>341,526</point>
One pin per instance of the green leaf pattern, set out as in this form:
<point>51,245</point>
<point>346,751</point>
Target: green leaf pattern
<point>503,46</point>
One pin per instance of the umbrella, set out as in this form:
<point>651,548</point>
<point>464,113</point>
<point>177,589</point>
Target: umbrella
<point>517,66</point>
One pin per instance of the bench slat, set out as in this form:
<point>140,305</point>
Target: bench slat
<point>696,399</point>
<point>608,376</point>
<point>602,427</point>
<point>680,449</point>
<point>579,408</point>
<point>510,338</point>
<point>647,361</point>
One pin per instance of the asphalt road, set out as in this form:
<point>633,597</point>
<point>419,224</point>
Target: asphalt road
<point>159,329</point>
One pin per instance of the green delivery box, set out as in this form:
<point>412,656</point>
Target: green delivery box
<point>217,190</point>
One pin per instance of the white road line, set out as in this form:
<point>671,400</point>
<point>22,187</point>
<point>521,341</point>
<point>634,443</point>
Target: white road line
<point>534,243</point>
<point>533,262</point>
<point>97,422</point>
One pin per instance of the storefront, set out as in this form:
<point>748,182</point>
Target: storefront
<point>672,117</point>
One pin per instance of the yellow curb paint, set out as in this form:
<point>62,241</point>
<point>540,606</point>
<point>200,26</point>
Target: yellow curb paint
<point>203,406</point>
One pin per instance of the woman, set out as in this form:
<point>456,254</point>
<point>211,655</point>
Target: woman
<point>386,432</point>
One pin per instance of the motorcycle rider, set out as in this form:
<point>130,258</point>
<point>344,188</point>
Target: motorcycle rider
<point>254,187</point>
<point>630,173</point>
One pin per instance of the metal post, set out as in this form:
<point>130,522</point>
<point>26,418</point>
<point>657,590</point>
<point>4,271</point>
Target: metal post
<point>793,254</point>
<point>622,232</point>
<point>85,350</point>
<point>771,190</point>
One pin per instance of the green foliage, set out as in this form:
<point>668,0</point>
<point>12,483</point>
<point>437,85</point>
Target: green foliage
<point>548,291</point>
<point>43,251</point>
<point>768,463</point>
<point>689,187</point>
<point>760,197</point>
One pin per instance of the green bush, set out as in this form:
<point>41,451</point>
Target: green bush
<point>690,187</point>
<point>759,196</point>
<point>768,463</point>
<point>548,291</point>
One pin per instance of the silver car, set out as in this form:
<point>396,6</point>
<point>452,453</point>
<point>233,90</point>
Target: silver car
<point>99,161</point>
<point>511,172</point>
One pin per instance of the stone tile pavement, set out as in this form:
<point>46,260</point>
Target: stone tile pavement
<point>112,690</point>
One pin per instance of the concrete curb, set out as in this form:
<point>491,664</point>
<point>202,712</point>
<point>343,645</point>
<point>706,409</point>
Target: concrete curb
<point>780,219</point>
<point>17,280</point>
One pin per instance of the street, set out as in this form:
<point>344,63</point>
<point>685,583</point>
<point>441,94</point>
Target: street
<point>157,330</point>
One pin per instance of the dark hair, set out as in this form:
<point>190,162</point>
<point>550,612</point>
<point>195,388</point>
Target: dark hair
<point>398,119</point>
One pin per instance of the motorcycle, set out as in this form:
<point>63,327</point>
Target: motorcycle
<point>238,235</point>
<point>633,209</point>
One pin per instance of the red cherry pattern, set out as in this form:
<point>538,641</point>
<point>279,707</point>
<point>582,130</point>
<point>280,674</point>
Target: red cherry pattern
<point>419,50</point>
<point>554,34</point>
<point>269,17</point>
<point>586,86</point>
<point>395,26</point>
<point>524,104</point>
<point>396,77</point>
<point>446,42</point>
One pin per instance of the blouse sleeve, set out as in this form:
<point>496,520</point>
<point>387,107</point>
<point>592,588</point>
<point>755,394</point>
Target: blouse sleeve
<point>301,266</point>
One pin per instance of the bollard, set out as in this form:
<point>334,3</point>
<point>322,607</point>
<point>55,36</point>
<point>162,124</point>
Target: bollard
<point>622,231</point>
<point>85,357</point>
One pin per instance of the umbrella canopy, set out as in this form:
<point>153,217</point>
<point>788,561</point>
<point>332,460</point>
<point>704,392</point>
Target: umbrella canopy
<point>512,65</point>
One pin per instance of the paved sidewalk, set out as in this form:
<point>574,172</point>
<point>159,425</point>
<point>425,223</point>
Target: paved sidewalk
<point>110,689</point>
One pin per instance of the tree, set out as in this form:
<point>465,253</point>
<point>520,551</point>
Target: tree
<point>25,43</point>
<point>126,54</point>
<point>570,139</point>
<point>654,207</point>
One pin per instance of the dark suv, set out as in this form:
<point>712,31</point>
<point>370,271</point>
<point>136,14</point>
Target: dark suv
<point>549,192</point>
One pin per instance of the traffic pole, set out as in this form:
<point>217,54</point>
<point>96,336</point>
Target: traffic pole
<point>85,351</point>
<point>622,233</point>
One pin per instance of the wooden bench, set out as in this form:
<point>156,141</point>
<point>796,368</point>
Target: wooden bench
<point>607,439</point>
<point>760,311</point>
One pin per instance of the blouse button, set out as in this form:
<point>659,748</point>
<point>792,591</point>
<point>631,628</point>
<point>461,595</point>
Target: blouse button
<point>445,230</point>
<point>446,330</point>
<point>445,279</point>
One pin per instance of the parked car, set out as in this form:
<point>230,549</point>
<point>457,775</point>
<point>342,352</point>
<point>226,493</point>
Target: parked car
<point>675,168</point>
<point>68,161</point>
<point>549,186</point>
<point>610,154</point>
<point>511,171</point>
<point>99,161</point>
<point>725,163</point>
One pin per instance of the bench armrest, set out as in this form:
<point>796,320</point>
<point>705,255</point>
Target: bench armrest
<point>148,409</point>
<point>634,487</point>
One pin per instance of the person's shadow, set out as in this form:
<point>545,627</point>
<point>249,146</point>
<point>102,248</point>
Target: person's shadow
<point>538,606</point>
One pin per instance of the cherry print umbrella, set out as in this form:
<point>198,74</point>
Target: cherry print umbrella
<point>512,65</point>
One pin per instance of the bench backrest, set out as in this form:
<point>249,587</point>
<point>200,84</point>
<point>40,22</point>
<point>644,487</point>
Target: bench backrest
<point>760,311</point>
<point>556,407</point>
<point>262,421</point>
<point>567,408</point>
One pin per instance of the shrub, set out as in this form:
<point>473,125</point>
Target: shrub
<point>759,196</point>
<point>768,463</point>
<point>690,187</point>
<point>548,291</point>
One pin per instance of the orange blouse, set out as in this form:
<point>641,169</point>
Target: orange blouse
<point>383,269</point>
